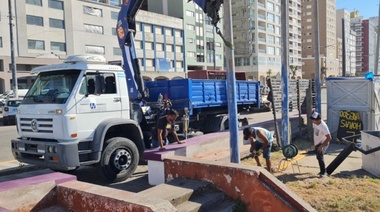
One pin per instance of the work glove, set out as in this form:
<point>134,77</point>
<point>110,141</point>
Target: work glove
<point>257,153</point>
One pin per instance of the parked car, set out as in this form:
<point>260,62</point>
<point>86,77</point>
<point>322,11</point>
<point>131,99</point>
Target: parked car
<point>10,110</point>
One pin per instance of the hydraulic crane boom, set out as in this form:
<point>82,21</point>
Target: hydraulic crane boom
<point>125,30</point>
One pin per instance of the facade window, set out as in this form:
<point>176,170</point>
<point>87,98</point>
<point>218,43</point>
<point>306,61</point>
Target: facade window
<point>191,54</point>
<point>191,40</point>
<point>92,11</point>
<point>190,13</point>
<point>1,42</point>
<point>56,4</point>
<point>113,31</point>
<point>178,33</point>
<point>178,49</point>
<point>34,2</point>
<point>55,23</point>
<point>114,2</point>
<point>36,44</point>
<point>58,46</point>
<point>93,28</point>
<point>114,15</point>
<point>219,57</point>
<point>270,6</point>
<point>270,17</point>
<point>34,20</point>
<point>95,49</point>
<point>218,44</point>
<point>1,65</point>
<point>117,51</point>
<point>190,27</point>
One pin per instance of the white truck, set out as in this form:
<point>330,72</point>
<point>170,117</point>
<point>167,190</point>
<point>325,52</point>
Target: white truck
<point>85,112</point>
<point>78,113</point>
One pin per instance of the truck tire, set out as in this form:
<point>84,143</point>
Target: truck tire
<point>215,123</point>
<point>119,159</point>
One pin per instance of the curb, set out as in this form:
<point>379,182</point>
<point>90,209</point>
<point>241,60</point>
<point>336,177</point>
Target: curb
<point>21,168</point>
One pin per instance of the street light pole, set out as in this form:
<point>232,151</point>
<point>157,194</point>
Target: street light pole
<point>231,84</point>
<point>317,82</point>
<point>377,44</point>
<point>285,73</point>
<point>13,63</point>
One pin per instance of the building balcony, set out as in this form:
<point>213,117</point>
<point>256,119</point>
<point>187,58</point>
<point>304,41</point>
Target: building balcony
<point>262,17</point>
<point>262,28</point>
<point>262,51</point>
<point>262,40</point>
<point>262,5</point>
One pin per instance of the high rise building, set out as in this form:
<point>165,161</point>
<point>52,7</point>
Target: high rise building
<point>258,40</point>
<point>348,39</point>
<point>327,38</point>
<point>365,43</point>
<point>204,48</point>
<point>47,31</point>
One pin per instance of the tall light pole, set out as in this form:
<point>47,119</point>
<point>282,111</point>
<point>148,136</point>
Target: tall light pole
<point>285,73</point>
<point>377,44</point>
<point>317,82</point>
<point>13,63</point>
<point>231,84</point>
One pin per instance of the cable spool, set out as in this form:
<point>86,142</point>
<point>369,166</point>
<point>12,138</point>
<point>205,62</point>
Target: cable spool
<point>290,151</point>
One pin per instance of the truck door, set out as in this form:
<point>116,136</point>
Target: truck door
<point>102,101</point>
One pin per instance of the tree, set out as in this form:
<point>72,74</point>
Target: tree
<point>269,72</point>
<point>294,70</point>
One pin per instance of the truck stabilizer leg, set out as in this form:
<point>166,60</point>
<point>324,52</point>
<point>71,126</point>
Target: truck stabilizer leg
<point>340,158</point>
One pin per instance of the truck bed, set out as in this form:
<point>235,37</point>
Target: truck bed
<point>199,93</point>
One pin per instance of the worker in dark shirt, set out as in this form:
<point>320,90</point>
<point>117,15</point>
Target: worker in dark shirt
<point>165,125</point>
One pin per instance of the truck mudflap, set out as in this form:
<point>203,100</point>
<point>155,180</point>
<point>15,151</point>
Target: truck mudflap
<point>55,155</point>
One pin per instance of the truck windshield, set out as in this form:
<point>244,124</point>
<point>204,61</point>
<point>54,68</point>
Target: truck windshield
<point>52,87</point>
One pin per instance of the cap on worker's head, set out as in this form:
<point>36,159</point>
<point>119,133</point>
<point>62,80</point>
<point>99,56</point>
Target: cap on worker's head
<point>247,132</point>
<point>315,116</point>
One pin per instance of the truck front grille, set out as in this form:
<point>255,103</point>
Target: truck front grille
<point>37,125</point>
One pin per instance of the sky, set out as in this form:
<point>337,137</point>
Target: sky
<point>367,8</point>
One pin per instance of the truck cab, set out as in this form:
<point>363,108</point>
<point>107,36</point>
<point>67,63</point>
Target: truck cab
<point>78,113</point>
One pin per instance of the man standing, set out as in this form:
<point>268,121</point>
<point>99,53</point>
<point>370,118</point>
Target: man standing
<point>165,125</point>
<point>261,142</point>
<point>322,139</point>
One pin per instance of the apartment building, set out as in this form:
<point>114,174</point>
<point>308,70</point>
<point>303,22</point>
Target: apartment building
<point>327,38</point>
<point>348,39</point>
<point>47,31</point>
<point>365,43</point>
<point>204,48</point>
<point>258,41</point>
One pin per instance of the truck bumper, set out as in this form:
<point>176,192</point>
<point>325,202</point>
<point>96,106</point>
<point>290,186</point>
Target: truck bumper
<point>60,156</point>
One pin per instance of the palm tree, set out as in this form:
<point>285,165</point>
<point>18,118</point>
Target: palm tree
<point>269,72</point>
<point>294,70</point>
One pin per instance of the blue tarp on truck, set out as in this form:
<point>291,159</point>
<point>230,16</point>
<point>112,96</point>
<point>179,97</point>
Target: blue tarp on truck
<point>199,93</point>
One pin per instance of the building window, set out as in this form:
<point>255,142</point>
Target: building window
<point>190,13</point>
<point>115,2</point>
<point>117,51</point>
<point>191,40</point>
<point>34,2</point>
<point>114,15</point>
<point>34,20</point>
<point>191,54</point>
<point>1,65</point>
<point>95,49</point>
<point>93,28</point>
<point>1,42</point>
<point>56,4</point>
<point>114,31</point>
<point>55,23</point>
<point>92,11</point>
<point>218,44</point>
<point>190,27</point>
<point>58,46</point>
<point>36,44</point>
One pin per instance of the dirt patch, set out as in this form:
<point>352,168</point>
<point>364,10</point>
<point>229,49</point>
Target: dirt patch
<point>352,191</point>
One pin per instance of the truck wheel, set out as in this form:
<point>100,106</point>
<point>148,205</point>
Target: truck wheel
<point>119,159</point>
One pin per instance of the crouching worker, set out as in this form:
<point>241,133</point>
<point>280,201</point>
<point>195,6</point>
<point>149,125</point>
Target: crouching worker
<point>261,142</point>
<point>165,125</point>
